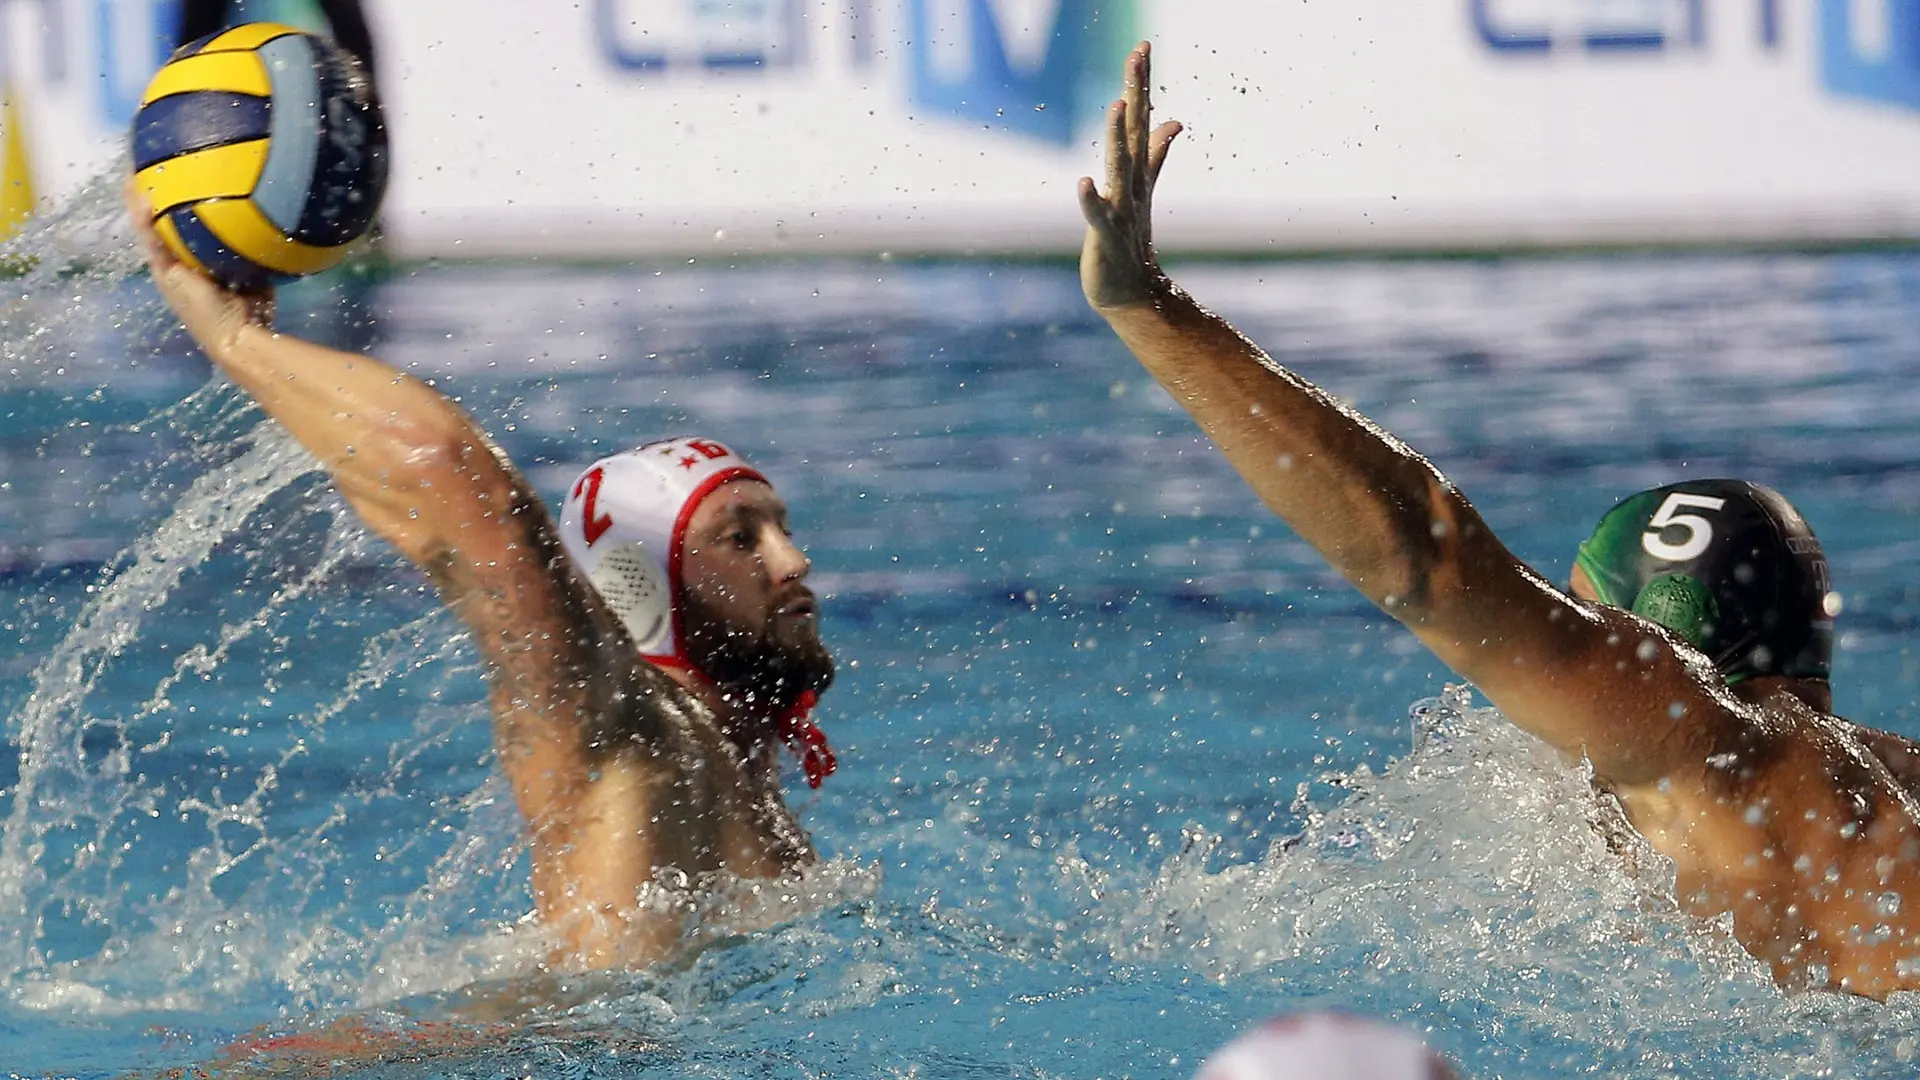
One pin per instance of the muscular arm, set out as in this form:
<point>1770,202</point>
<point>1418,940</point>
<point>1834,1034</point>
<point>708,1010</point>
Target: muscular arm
<point>1588,679</point>
<point>572,702</point>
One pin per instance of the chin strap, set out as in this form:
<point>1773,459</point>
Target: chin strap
<point>806,740</point>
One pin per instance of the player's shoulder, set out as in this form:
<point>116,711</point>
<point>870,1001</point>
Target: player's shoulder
<point>1788,752</point>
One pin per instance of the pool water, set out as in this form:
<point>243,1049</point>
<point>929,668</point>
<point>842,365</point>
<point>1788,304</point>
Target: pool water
<point>1123,768</point>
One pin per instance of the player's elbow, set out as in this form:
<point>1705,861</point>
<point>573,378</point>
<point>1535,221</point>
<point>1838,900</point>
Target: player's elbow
<point>427,489</point>
<point>1421,577</point>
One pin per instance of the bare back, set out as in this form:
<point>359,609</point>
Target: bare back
<point>1805,837</point>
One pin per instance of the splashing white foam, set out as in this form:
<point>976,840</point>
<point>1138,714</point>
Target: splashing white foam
<point>1470,858</point>
<point>61,784</point>
<point>1483,872</point>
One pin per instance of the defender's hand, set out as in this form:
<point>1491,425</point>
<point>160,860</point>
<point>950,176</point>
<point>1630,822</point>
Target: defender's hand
<point>213,314</point>
<point>1117,263</point>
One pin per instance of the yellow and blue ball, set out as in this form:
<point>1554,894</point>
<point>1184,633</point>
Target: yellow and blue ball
<point>263,153</point>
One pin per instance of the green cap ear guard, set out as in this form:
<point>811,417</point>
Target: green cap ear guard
<point>1680,603</point>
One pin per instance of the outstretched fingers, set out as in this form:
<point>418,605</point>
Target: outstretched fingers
<point>1117,266</point>
<point>1094,208</point>
<point>1163,137</point>
<point>1120,159</point>
<point>1136,150</point>
<point>1139,106</point>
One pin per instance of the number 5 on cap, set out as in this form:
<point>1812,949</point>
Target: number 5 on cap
<point>1699,529</point>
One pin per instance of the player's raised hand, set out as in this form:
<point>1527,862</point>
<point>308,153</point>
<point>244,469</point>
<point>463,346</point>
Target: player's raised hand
<point>212,313</point>
<point>1117,263</point>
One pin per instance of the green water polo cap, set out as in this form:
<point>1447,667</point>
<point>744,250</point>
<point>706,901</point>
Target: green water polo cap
<point>1729,566</point>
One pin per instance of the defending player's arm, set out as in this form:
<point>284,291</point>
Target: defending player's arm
<point>1380,513</point>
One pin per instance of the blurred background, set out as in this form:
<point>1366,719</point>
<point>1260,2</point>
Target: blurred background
<point>726,127</point>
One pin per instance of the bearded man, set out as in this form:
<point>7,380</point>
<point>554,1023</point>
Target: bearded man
<point>645,658</point>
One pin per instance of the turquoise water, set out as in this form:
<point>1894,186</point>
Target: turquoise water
<point>1123,768</point>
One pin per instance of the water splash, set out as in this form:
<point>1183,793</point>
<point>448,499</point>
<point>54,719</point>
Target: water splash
<point>1479,844</point>
<point>264,898</point>
<point>1483,873</point>
<point>67,782</point>
<point>59,266</point>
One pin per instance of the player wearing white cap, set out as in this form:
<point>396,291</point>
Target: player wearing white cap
<point>1325,1046</point>
<point>644,778</point>
<point>657,530</point>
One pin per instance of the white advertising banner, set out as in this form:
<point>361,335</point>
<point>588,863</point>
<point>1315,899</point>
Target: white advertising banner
<point>717,127</point>
<point>71,75</point>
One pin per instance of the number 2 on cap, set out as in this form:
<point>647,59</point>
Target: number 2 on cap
<point>593,523</point>
<point>1699,529</point>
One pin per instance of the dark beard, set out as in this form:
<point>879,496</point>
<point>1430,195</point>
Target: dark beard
<point>763,673</point>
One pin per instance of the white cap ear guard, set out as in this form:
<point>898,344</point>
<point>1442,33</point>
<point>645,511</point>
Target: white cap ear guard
<point>631,582</point>
<point>624,524</point>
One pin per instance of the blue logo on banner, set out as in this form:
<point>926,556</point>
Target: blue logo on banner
<point>1035,67</point>
<point>654,35</point>
<point>1605,26</point>
<point>1868,48</point>
<point>1880,62</point>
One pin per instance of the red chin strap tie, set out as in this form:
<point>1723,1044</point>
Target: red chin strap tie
<point>806,740</point>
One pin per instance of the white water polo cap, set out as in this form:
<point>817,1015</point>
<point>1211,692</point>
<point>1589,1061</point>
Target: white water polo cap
<point>625,523</point>
<point>1325,1046</point>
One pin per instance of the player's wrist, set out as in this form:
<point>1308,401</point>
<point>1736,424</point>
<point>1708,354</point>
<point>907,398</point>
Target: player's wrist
<point>234,335</point>
<point>1143,293</point>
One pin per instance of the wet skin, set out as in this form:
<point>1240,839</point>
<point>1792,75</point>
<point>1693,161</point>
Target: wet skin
<point>741,561</point>
<point>636,799</point>
<point>1799,830</point>
<point>1773,810</point>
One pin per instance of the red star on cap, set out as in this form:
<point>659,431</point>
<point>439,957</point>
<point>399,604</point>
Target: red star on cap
<point>689,461</point>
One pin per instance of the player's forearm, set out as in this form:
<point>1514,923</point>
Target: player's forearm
<point>395,447</point>
<point>1365,501</point>
<point>350,411</point>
